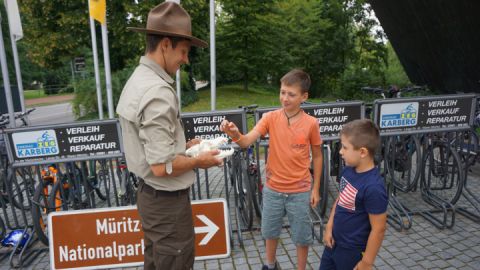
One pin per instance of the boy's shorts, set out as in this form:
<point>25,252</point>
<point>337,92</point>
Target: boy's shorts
<point>340,258</point>
<point>297,208</point>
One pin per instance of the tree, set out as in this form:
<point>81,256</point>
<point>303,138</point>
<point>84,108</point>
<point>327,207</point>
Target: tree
<point>245,40</point>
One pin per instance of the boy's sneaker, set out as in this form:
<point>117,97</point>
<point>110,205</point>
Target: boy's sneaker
<point>265,267</point>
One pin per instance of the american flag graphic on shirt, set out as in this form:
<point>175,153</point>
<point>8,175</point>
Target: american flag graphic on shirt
<point>347,195</point>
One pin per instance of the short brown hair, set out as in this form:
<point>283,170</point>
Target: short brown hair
<point>297,77</point>
<point>362,133</point>
<point>152,42</point>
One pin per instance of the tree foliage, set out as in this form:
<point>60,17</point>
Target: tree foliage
<point>336,41</point>
<point>259,41</point>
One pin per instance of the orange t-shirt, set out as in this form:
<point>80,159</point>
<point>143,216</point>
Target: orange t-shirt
<point>288,162</point>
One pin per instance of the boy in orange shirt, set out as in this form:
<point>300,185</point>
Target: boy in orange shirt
<point>288,190</point>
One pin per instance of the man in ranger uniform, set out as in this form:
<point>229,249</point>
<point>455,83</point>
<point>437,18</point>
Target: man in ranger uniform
<point>154,140</point>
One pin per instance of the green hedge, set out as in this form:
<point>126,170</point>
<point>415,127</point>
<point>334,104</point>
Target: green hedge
<point>85,102</point>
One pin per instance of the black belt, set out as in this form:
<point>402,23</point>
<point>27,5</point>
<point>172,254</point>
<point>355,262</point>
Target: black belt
<point>145,187</point>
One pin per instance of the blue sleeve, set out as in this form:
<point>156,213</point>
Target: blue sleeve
<point>376,199</point>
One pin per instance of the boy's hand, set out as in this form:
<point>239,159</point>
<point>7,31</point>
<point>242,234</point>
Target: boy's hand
<point>230,129</point>
<point>361,265</point>
<point>314,197</point>
<point>328,237</point>
<point>193,142</point>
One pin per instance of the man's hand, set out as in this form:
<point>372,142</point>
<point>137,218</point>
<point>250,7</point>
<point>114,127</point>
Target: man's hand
<point>208,159</point>
<point>193,142</point>
<point>314,197</point>
<point>230,129</point>
<point>328,236</point>
<point>361,265</point>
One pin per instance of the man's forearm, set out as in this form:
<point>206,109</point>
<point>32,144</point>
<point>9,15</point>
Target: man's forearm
<point>180,165</point>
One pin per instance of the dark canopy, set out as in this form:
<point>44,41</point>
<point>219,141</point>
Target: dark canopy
<point>437,41</point>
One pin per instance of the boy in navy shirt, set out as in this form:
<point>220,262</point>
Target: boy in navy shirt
<point>357,223</point>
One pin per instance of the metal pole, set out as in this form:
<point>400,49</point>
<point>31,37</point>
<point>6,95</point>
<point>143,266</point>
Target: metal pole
<point>179,90</point>
<point>18,72</point>
<point>178,77</point>
<point>95,65</point>
<point>213,76</point>
<point>108,77</point>
<point>72,68</point>
<point>6,80</point>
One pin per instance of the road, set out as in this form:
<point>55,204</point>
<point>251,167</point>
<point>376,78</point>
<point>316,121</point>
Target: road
<point>52,114</point>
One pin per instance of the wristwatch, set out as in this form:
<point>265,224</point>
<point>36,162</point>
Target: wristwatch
<point>169,168</point>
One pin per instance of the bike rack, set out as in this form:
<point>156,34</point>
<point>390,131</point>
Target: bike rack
<point>17,259</point>
<point>19,256</point>
<point>401,220</point>
<point>468,155</point>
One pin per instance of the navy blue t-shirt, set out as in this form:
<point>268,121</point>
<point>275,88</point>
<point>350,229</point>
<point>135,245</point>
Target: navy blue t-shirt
<point>360,194</point>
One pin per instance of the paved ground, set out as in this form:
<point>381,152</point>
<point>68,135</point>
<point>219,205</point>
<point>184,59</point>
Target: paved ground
<point>52,114</point>
<point>421,247</point>
<point>48,100</point>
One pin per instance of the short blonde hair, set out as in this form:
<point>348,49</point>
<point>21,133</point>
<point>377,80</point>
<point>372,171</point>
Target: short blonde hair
<point>297,77</point>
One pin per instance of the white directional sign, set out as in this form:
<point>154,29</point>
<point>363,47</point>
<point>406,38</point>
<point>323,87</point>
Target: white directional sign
<point>210,229</point>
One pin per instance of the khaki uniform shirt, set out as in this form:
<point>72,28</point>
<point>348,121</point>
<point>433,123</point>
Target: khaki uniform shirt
<point>152,130</point>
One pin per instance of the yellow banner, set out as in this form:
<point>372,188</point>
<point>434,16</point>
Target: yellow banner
<point>98,10</point>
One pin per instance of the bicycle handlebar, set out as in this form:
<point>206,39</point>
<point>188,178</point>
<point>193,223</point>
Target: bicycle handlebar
<point>412,89</point>
<point>375,90</point>
<point>249,108</point>
<point>5,120</point>
<point>392,90</point>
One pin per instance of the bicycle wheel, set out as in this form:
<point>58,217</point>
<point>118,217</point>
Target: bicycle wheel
<point>101,184</point>
<point>128,189</point>
<point>442,173</point>
<point>3,228</point>
<point>402,159</point>
<point>467,146</point>
<point>62,197</point>
<point>244,192</point>
<point>20,188</point>
<point>257,189</point>
<point>322,204</point>
<point>40,209</point>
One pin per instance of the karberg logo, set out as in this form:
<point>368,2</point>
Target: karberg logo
<point>35,143</point>
<point>399,115</point>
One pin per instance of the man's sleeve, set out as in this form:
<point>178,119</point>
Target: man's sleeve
<point>376,199</point>
<point>157,125</point>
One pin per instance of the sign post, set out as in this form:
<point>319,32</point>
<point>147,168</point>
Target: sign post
<point>62,143</point>
<point>330,116</point>
<point>113,237</point>
<point>425,114</point>
<point>206,125</point>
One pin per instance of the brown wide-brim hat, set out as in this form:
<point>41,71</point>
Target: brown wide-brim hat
<point>170,19</point>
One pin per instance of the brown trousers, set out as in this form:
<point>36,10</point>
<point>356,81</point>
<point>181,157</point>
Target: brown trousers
<point>168,229</point>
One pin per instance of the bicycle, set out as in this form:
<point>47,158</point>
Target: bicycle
<point>16,185</point>
<point>242,189</point>
<point>253,168</point>
<point>442,174</point>
<point>40,203</point>
<point>401,154</point>
<point>58,191</point>
<point>128,184</point>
